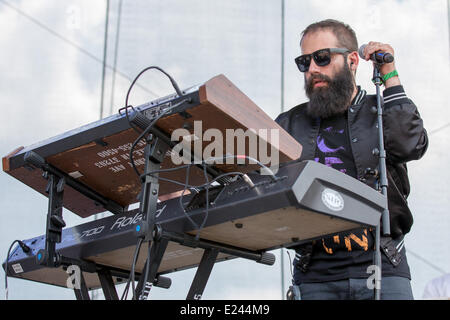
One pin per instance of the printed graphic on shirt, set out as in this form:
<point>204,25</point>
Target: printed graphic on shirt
<point>333,150</point>
<point>350,242</point>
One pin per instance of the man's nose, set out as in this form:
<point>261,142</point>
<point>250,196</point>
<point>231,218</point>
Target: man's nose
<point>313,67</point>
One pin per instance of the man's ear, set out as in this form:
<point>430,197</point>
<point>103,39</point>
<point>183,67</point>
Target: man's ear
<point>353,60</point>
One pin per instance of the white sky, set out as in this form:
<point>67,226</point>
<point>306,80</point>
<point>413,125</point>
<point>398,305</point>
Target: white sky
<point>48,86</point>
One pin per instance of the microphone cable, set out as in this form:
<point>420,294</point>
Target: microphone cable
<point>25,249</point>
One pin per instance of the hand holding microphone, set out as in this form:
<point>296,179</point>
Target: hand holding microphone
<point>377,52</point>
<point>382,54</point>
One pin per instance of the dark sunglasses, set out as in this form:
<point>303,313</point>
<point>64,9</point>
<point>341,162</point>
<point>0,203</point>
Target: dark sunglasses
<point>321,57</point>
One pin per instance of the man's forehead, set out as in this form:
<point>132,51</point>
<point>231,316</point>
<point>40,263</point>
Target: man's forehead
<point>320,39</point>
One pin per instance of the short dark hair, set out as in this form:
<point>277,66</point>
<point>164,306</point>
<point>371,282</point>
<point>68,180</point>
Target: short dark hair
<point>344,33</point>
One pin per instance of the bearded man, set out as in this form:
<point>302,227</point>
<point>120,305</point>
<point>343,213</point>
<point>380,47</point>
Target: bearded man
<point>338,128</point>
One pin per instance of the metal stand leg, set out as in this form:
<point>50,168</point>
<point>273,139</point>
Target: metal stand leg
<point>377,260</point>
<point>55,222</point>
<point>82,293</point>
<point>202,275</point>
<point>107,283</point>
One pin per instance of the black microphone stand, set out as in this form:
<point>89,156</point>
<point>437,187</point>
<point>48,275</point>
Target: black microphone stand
<point>382,183</point>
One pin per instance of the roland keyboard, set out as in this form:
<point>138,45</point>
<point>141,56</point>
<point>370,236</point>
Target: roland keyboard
<point>307,200</point>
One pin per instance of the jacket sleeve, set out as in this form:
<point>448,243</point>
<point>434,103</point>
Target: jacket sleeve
<point>283,120</point>
<point>405,138</point>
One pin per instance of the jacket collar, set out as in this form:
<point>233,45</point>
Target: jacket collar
<point>359,96</point>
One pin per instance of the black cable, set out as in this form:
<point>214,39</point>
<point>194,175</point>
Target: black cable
<point>141,135</point>
<point>147,269</point>
<point>200,185</point>
<point>197,236</point>
<point>6,269</point>
<point>133,266</point>
<point>206,186</point>
<point>174,84</point>
<point>248,158</point>
<point>290,263</point>
<point>180,199</point>
<point>147,130</point>
<point>152,173</point>
<point>142,176</point>
<point>25,249</point>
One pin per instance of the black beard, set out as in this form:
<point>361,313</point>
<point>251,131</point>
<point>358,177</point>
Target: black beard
<point>333,99</point>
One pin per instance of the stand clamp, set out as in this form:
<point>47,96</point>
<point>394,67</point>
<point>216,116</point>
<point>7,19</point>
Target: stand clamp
<point>154,156</point>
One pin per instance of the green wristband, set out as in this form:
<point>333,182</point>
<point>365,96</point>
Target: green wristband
<point>389,75</point>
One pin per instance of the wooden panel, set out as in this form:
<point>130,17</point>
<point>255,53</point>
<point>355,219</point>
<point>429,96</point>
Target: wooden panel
<point>58,277</point>
<point>222,93</point>
<point>5,159</point>
<point>175,257</point>
<point>275,228</point>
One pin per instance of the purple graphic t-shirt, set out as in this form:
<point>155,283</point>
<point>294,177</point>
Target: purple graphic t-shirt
<point>333,147</point>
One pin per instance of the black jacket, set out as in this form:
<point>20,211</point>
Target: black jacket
<point>405,139</point>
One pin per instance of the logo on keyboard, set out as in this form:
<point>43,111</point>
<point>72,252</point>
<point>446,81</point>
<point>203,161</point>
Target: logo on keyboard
<point>332,200</point>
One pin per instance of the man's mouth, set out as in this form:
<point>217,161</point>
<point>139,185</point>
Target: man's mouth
<point>319,83</point>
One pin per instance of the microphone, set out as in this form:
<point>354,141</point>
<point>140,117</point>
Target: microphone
<point>378,57</point>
